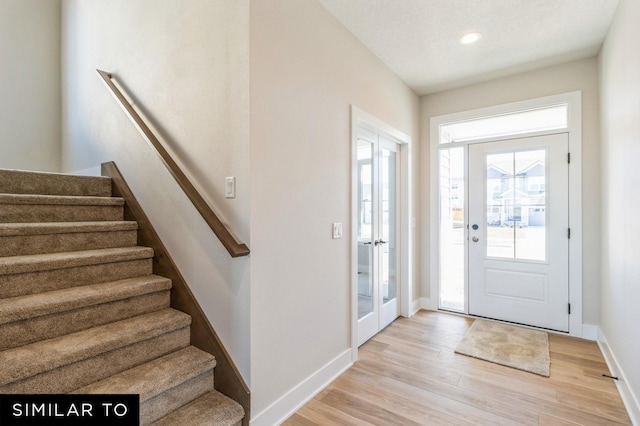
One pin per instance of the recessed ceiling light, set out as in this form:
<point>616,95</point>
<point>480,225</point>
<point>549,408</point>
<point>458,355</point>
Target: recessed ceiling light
<point>470,38</point>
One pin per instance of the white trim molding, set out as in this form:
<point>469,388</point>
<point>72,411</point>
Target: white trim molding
<point>631,402</point>
<point>293,400</point>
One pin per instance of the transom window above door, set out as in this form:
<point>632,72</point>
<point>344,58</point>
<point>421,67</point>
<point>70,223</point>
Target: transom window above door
<point>515,123</point>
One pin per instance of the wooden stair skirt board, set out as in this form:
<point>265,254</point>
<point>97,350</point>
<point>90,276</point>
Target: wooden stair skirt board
<point>91,302</point>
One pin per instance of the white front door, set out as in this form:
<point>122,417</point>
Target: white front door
<point>519,230</point>
<point>378,181</point>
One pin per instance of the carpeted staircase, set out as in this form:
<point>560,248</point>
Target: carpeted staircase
<point>82,312</point>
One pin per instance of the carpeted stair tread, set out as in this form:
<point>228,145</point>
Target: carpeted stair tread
<point>47,261</point>
<point>211,409</point>
<point>33,238</point>
<point>71,200</point>
<point>29,208</point>
<point>28,229</point>
<point>28,182</point>
<point>31,274</point>
<point>34,329</point>
<point>36,305</point>
<point>29,360</point>
<point>71,376</point>
<point>151,379</point>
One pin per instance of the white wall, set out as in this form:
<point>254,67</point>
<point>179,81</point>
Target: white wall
<point>30,85</point>
<point>620,109</point>
<point>578,75</point>
<point>186,65</point>
<point>306,71</point>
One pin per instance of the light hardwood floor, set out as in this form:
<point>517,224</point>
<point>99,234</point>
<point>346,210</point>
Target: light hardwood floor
<point>409,375</point>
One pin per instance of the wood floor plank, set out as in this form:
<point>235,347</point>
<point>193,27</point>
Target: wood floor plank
<point>300,420</point>
<point>580,416</point>
<point>431,401</point>
<point>372,410</point>
<point>605,409</point>
<point>547,420</point>
<point>589,379</point>
<point>452,391</point>
<point>418,411</point>
<point>318,413</point>
<point>389,366</point>
<point>409,375</point>
<point>510,380</point>
<point>415,347</point>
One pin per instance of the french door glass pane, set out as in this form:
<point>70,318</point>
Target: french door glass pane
<point>388,260</point>
<point>516,205</point>
<point>452,233</point>
<point>365,228</point>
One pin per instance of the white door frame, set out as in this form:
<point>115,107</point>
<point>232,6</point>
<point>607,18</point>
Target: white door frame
<point>361,119</point>
<point>574,128</point>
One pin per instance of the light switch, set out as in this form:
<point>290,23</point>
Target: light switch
<point>337,230</point>
<point>230,187</point>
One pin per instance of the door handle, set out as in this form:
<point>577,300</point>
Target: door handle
<point>474,239</point>
<point>379,242</point>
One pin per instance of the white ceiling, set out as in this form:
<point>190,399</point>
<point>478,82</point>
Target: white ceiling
<point>418,39</point>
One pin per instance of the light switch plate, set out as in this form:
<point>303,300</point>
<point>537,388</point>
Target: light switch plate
<point>337,230</point>
<point>230,187</point>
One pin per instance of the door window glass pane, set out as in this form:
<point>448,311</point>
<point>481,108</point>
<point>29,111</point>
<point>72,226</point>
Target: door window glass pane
<point>501,211</point>
<point>531,176</point>
<point>516,205</point>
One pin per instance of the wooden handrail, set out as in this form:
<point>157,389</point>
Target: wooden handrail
<point>235,248</point>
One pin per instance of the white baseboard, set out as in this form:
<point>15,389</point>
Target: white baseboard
<point>628,398</point>
<point>426,303</point>
<point>590,332</point>
<point>293,400</point>
<point>415,306</point>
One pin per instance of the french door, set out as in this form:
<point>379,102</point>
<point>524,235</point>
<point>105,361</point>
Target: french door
<point>518,224</point>
<point>377,200</point>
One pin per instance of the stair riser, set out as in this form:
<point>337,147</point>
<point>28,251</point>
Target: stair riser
<point>57,279</point>
<point>30,213</point>
<point>76,375</point>
<point>15,182</point>
<point>171,399</point>
<point>49,326</point>
<point>57,243</point>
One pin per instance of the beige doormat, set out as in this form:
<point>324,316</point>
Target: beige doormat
<point>508,345</point>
